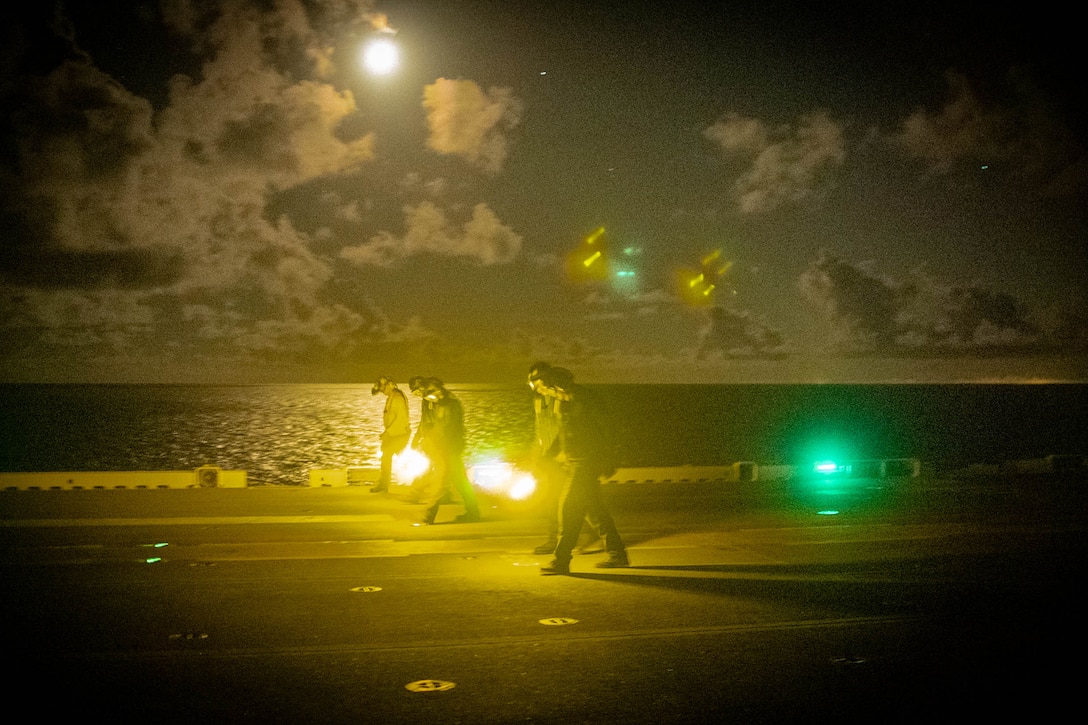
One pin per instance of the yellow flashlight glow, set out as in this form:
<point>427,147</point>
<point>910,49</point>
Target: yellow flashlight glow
<point>409,464</point>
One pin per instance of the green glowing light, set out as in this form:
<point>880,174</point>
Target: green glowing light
<point>827,512</point>
<point>153,560</point>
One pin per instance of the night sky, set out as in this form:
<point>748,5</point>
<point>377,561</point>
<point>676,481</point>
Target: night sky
<point>219,191</point>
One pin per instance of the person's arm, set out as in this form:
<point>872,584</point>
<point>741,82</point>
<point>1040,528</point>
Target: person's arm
<point>399,423</point>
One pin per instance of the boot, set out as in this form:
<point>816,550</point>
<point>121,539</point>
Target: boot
<point>555,567</point>
<point>615,560</point>
<point>548,547</point>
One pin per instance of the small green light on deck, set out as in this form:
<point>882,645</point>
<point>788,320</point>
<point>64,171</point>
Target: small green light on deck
<point>827,512</point>
<point>153,560</point>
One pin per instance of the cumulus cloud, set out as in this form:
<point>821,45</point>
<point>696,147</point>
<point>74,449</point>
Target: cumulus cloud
<point>112,204</point>
<point>787,164</point>
<point>429,231</point>
<point>466,121</point>
<point>873,314</point>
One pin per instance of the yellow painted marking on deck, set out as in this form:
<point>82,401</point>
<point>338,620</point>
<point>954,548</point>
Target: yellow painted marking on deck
<point>429,686</point>
<point>197,521</point>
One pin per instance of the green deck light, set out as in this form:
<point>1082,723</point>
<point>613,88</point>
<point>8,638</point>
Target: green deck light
<point>828,467</point>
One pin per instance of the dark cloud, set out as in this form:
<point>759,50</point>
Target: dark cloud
<point>872,314</point>
<point>124,269</point>
<point>735,333</point>
<point>1022,130</point>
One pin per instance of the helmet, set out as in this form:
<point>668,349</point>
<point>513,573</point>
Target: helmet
<point>561,378</point>
<point>537,371</point>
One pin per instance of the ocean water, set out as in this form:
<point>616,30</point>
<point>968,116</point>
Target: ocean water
<point>278,433</point>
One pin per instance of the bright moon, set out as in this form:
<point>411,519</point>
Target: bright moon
<point>380,57</point>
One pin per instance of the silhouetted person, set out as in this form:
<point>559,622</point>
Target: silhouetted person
<point>586,456</point>
<point>448,443</point>
<point>419,385</point>
<point>423,440</point>
<point>546,469</point>
<point>398,428</point>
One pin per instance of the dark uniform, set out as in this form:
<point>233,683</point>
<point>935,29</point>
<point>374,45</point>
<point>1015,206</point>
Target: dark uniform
<point>549,473</point>
<point>423,438</point>
<point>448,448</point>
<point>586,456</point>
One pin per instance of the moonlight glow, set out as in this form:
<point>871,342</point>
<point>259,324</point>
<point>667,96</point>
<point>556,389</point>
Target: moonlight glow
<point>381,57</point>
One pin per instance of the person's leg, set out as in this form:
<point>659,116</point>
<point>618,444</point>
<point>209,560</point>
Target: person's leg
<point>572,514</point>
<point>385,471</point>
<point>430,514</point>
<point>464,489</point>
<point>613,544</point>
<point>390,448</point>
<point>550,479</point>
<point>436,491</point>
<point>596,533</point>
